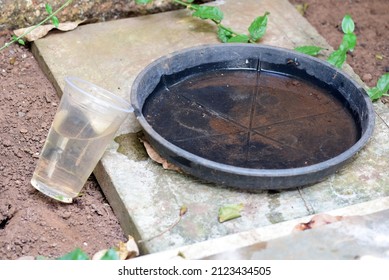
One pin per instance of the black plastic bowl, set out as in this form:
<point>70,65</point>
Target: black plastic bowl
<point>252,116</point>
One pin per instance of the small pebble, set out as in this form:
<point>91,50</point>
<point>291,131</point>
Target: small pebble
<point>23,130</point>
<point>7,143</point>
<point>66,215</point>
<point>12,60</point>
<point>367,77</point>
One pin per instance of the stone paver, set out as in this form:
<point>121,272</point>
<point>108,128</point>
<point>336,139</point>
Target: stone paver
<point>354,237</point>
<point>243,241</point>
<point>145,197</point>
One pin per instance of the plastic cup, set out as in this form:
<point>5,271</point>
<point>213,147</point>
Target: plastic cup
<point>85,123</point>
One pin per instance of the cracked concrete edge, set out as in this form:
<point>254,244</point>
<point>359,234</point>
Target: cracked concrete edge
<point>127,223</point>
<point>239,240</point>
<point>46,69</point>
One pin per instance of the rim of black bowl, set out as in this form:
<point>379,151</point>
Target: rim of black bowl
<point>319,169</point>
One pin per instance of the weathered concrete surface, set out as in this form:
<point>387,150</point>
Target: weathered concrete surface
<point>247,239</point>
<point>147,198</point>
<point>354,237</point>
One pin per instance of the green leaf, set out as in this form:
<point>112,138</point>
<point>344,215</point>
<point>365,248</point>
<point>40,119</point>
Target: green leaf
<point>111,254</point>
<point>349,42</point>
<point>258,27</point>
<point>77,254</point>
<point>55,21</point>
<point>143,2</point>
<point>348,25</point>
<point>337,58</point>
<point>383,83</point>
<point>310,50</point>
<point>229,212</point>
<point>374,93</point>
<point>49,9</point>
<point>208,12</point>
<point>241,38</point>
<point>20,41</point>
<point>223,34</point>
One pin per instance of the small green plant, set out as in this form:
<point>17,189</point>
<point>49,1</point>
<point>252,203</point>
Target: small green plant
<point>381,88</point>
<point>337,57</point>
<point>310,50</point>
<point>257,28</point>
<point>52,16</point>
<point>54,19</point>
<point>78,255</point>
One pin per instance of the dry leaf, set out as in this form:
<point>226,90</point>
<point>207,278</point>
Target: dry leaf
<point>318,220</point>
<point>125,250</point>
<point>99,254</point>
<point>302,8</point>
<point>157,158</point>
<point>379,56</point>
<point>42,30</point>
<point>183,210</point>
<point>128,250</point>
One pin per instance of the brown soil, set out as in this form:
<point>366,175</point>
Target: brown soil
<point>370,58</point>
<point>30,223</point>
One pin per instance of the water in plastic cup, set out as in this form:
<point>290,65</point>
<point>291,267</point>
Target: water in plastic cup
<point>85,123</point>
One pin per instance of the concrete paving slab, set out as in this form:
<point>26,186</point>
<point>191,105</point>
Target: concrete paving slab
<point>145,197</point>
<point>354,237</point>
<point>240,241</point>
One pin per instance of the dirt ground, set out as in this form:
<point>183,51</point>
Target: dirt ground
<point>370,58</point>
<point>30,223</point>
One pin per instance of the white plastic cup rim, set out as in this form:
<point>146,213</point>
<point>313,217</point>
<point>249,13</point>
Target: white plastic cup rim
<point>126,105</point>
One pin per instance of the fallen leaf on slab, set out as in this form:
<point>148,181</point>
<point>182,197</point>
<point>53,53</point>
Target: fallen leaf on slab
<point>229,212</point>
<point>128,250</point>
<point>181,254</point>
<point>42,30</point>
<point>157,158</point>
<point>183,210</point>
<point>317,221</point>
